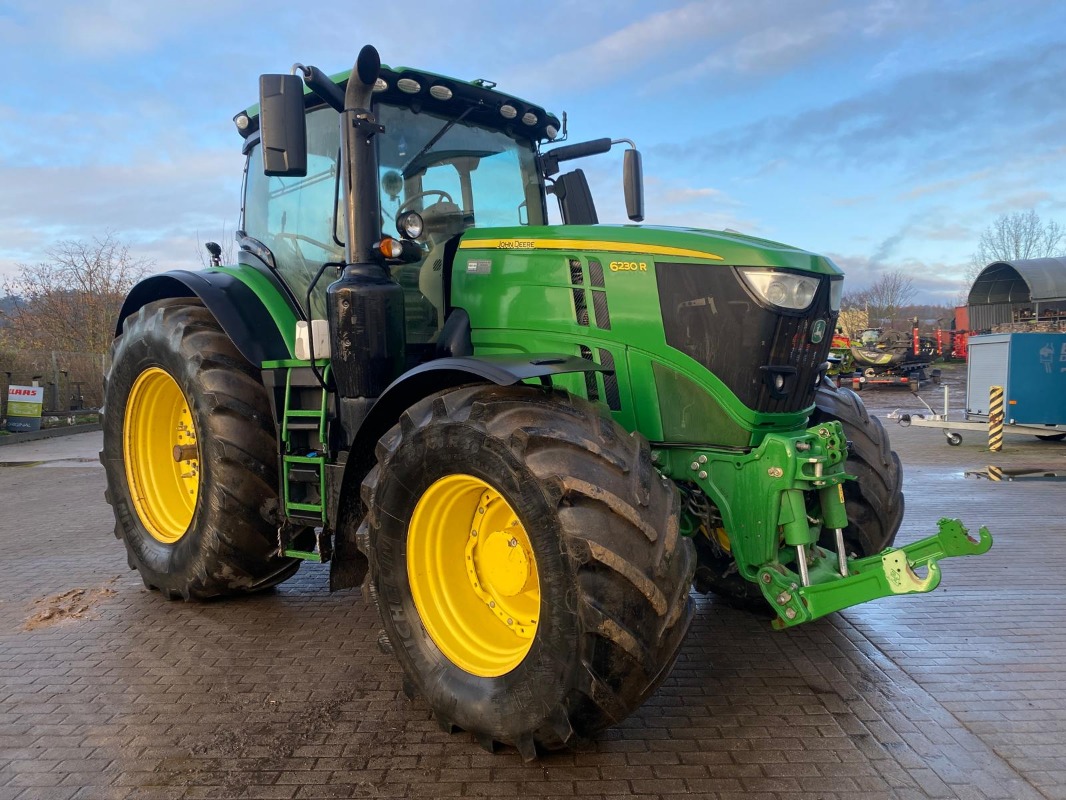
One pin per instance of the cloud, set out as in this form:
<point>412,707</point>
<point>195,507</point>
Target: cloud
<point>787,40</point>
<point>159,207</point>
<point>106,29</point>
<point>887,247</point>
<point>708,38</point>
<point>935,282</point>
<point>686,195</point>
<point>947,115</point>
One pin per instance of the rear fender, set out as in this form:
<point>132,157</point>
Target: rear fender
<point>248,307</point>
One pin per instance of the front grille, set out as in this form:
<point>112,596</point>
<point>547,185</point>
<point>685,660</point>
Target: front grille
<point>710,315</point>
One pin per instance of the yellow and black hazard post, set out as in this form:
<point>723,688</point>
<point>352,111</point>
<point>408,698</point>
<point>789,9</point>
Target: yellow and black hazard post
<point>995,418</point>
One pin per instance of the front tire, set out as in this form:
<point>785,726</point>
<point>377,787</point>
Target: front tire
<point>190,456</point>
<point>527,564</point>
<point>875,501</point>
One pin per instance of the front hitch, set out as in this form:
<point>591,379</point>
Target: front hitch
<point>778,500</point>
<point>889,573</point>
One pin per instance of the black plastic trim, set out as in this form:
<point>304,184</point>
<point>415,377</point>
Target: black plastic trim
<point>349,565</point>
<point>446,373</point>
<point>237,308</point>
<point>455,338</point>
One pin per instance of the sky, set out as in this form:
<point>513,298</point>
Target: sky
<point>886,134</point>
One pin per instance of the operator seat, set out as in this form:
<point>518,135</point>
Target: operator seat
<point>442,221</point>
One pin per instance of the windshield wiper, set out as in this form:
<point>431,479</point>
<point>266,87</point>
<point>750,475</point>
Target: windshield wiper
<point>436,138</point>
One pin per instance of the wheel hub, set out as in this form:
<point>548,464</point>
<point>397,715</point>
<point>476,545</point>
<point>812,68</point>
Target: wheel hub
<point>502,564</point>
<point>161,455</point>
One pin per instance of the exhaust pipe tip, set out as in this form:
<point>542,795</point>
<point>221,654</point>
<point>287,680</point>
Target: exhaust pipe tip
<point>364,75</point>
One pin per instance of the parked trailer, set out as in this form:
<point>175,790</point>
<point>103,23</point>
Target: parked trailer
<point>951,428</point>
<point>1031,369</point>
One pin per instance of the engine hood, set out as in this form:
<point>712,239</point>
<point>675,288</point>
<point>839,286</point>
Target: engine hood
<point>659,243</point>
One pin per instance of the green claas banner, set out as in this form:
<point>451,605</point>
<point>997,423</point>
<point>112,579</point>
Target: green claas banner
<point>24,404</point>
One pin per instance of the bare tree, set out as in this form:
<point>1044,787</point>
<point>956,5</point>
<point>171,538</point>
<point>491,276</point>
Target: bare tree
<point>71,301</point>
<point>1017,236</point>
<point>889,293</point>
<point>856,299</point>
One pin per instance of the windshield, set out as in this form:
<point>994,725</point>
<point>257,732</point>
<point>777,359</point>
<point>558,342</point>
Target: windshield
<point>478,176</point>
<point>453,174</point>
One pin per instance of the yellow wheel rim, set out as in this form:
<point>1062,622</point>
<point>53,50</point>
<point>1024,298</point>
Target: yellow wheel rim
<point>473,575</point>
<point>161,455</point>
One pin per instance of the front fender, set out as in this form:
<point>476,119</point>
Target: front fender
<point>348,566</point>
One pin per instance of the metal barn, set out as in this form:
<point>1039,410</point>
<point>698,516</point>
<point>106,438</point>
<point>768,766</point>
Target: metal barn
<point>1024,291</point>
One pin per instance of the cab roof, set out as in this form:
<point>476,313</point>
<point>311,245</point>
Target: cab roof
<point>476,100</point>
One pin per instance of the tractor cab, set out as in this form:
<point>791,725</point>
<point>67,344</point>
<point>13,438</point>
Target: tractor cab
<point>447,156</point>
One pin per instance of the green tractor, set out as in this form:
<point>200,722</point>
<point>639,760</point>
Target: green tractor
<point>527,442</point>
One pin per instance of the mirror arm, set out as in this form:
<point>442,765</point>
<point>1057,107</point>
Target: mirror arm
<point>319,83</point>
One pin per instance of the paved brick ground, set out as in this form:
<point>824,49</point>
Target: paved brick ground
<point>956,694</point>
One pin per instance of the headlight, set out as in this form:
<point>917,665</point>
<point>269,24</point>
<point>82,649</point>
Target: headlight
<point>836,292</point>
<point>784,289</point>
<point>410,224</point>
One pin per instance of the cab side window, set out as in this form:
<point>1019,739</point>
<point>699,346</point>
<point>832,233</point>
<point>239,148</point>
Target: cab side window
<point>294,217</point>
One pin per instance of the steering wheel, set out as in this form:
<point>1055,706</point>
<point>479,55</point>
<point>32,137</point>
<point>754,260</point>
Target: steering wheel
<point>444,198</point>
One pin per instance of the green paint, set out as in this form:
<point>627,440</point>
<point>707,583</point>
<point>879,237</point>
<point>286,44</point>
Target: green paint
<point>882,575</point>
<point>299,453</point>
<point>524,302</point>
<point>760,491</point>
<point>760,496</point>
<point>273,300</point>
<point>305,555</point>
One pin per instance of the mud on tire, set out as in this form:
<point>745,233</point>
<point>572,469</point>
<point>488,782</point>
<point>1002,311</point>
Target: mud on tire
<point>229,546</point>
<point>614,573</point>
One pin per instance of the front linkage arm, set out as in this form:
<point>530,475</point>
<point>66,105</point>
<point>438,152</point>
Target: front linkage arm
<point>775,501</point>
<point>888,573</point>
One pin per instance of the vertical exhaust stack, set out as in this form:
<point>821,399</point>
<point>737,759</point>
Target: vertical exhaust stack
<point>359,160</point>
<point>365,306</point>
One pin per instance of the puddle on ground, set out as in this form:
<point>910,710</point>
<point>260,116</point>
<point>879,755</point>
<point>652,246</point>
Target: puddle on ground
<point>998,474</point>
<point>52,462</point>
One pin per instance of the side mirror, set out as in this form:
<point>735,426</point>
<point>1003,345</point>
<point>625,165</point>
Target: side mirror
<point>633,182</point>
<point>282,125</point>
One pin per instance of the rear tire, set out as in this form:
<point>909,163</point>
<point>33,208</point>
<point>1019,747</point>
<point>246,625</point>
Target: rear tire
<point>174,364</point>
<point>597,527</point>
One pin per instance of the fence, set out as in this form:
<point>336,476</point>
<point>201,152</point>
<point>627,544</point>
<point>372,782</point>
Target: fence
<point>72,381</point>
